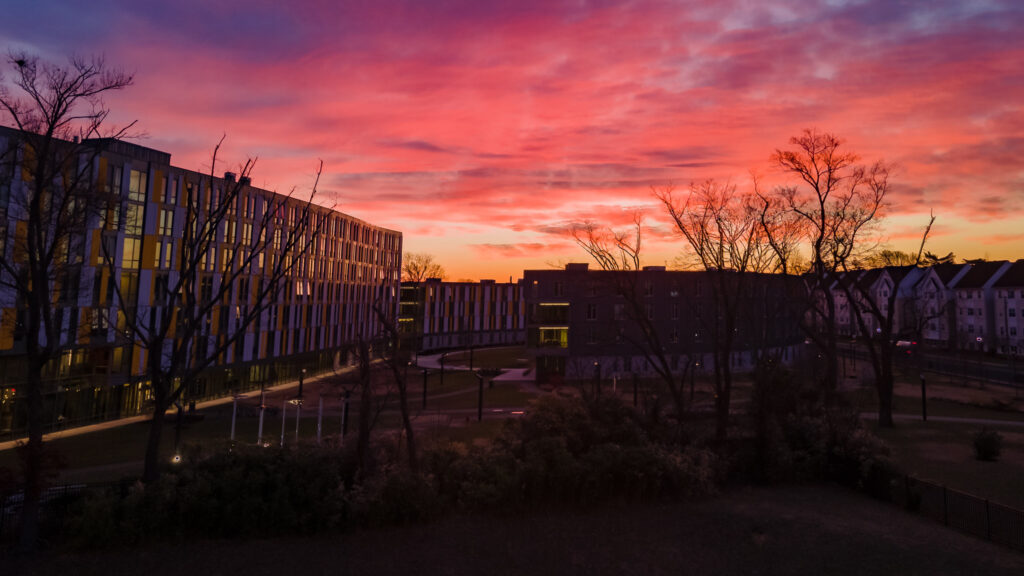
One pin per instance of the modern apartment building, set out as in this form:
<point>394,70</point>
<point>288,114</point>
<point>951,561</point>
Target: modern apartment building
<point>581,320</point>
<point>346,267</point>
<point>437,315</point>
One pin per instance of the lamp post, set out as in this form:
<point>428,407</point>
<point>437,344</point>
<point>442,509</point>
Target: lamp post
<point>234,414</point>
<point>924,401</point>
<point>263,405</point>
<point>344,414</point>
<point>302,377</point>
<point>319,420</point>
<point>597,379</point>
<point>284,413</point>
<point>425,373</point>
<point>693,375</point>
<point>480,397</point>
<point>981,358</point>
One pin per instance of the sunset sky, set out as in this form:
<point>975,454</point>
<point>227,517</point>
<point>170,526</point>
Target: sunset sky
<point>482,130</point>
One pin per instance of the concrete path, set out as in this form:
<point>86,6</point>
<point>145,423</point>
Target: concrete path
<point>105,425</point>
<point>950,419</point>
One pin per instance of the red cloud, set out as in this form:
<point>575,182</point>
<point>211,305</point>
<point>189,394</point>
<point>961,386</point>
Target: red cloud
<point>524,117</point>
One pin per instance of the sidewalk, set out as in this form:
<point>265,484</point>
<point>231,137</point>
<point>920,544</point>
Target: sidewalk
<point>108,424</point>
<point>949,419</point>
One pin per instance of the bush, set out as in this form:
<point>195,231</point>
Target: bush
<point>988,444</point>
<point>564,453</point>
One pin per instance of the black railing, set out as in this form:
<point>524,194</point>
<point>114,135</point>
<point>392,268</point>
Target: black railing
<point>959,510</point>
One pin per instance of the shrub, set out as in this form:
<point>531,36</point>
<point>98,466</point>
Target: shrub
<point>988,444</point>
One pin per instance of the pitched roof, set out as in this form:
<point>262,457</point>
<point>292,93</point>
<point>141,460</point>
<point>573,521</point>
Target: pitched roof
<point>1013,277</point>
<point>979,274</point>
<point>946,272</point>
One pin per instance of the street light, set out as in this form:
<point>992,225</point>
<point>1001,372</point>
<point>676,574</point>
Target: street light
<point>425,373</point>
<point>480,397</point>
<point>302,376</point>
<point>597,379</point>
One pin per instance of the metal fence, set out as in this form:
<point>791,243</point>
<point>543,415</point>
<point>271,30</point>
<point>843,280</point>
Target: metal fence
<point>959,510</point>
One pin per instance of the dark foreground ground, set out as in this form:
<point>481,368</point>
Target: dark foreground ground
<point>790,530</point>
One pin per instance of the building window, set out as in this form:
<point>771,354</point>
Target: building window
<point>591,311</point>
<point>165,226</point>
<point>130,255</point>
<point>137,186</point>
<point>133,219</point>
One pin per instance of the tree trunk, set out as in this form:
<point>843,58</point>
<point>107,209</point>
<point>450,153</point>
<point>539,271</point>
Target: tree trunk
<point>365,408</point>
<point>885,389</point>
<point>723,393</point>
<point>151,470</point>
<point>33,458</point>
<point>410,439</point>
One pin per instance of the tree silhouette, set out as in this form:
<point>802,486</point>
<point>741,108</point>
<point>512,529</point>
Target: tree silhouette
<point>59,119</point>
<point>419,267</point>
<point>241,250</point>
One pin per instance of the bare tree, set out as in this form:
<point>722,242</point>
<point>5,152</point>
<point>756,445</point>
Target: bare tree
<point>56,117</point>
<point>724,231</point>
<point>886,257</point>
<point>874,312</point>
<point>619,251</point>
<point>838,202</point>
<point>933,260</point>
<point>419,267</point>
<point>398,366</point>
<point>241,250</point>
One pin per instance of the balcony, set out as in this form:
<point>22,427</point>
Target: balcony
<point>553,337</point>
<point>550,313</point>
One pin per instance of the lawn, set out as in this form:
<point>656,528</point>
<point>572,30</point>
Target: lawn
<point>767,531</point>
<point>944,453</point>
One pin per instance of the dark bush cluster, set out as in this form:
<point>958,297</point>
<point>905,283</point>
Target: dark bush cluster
<point>568,453</point>
<point>565,453</point>
<point>988,445</point>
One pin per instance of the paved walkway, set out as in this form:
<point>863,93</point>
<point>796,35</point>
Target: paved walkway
<point>950,419</point>
<point>105,425</point>
<point>429,361</point>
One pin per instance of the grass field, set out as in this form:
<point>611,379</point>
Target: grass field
<point>943,452</point>
<point>788,530</point>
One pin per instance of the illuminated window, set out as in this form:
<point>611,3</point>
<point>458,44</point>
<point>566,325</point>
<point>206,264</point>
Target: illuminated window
<point>137,186</point>
<point>130,255</point>
<point>165,225</point>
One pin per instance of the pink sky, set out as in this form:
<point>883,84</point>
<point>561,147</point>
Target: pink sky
<point>482,130</point>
